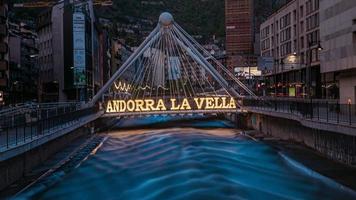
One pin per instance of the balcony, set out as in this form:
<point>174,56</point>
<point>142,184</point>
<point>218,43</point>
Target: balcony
<point>3,30</point>
<point>4,65</point>
<point>3,47</point>
<point>3,82</point>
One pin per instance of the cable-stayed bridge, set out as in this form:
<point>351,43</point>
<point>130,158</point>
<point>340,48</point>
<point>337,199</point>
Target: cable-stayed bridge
<point>170,73</point>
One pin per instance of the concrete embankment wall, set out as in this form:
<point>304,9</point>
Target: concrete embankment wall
<point>336,146</point>
<point>15,168</point>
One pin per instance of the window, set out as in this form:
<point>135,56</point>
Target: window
<point>309,7</point>
<point>286,48</point>
<point>277,53</point>
<point>302,58</point>
<point>273,42</point>
<point>265,32</point>
<point>313,21</point>
<point>285,20</point>
<point>301,11</point>
<point>277,39</point>
<point>265,44</point>
<point>285,35</point>
<point>313,38</point>
<point>316,4</point>
<point>302,26</point>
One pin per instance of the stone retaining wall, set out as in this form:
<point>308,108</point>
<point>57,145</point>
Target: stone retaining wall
<point>15,168</point>
<point>334,145</point>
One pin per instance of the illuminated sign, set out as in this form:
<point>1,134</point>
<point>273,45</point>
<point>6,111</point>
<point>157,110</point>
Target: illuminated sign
<point>79,49</point>
<point>122,87</point>
<point>146,105</point>
<point>292,92</point>
<point>265,63</point>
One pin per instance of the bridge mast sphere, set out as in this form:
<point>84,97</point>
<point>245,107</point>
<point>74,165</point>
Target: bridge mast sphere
<point>166,19</point>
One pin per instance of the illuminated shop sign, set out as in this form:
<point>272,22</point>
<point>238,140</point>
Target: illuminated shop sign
<point>147,105</point>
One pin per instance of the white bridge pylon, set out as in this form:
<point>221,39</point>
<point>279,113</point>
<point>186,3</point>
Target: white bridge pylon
<point>170,66</point>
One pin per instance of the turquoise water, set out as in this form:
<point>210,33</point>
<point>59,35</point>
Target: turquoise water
<point>189,163</point>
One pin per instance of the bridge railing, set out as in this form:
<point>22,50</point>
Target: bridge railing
<point>314,109</point>
<point>29,126</point>
<point>46,109</point>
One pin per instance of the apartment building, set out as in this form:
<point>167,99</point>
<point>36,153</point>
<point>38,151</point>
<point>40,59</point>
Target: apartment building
<point>338,58</point>
<point>291,37</point>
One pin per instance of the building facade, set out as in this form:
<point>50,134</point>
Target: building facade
<point>262,10</point>
<point>4,56</point>
<point>105,48</point>
<point>239,32</point>
<point>291,37</point>
<point>338,58</point>
<point>69,52</point>
<point>51,55</point>
<point>23,71</point>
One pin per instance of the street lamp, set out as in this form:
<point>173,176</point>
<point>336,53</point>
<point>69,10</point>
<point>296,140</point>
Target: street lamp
<point>320,48</point>
<point>33,55</point>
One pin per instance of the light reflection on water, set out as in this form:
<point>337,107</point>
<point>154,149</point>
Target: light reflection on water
<point>189,163</point>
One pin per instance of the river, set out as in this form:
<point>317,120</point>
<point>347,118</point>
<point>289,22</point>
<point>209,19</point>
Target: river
<point>189,162</point>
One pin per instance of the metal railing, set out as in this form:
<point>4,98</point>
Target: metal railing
<point>314,109</point>
<point>29,126</point>
<point>21,108</point>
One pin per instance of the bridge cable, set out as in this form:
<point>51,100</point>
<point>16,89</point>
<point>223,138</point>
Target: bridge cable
<point>213,58</point>
<point>180,78</point>
<point>211,86</point>
<point>179,51</point>
<point>126,64</point>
